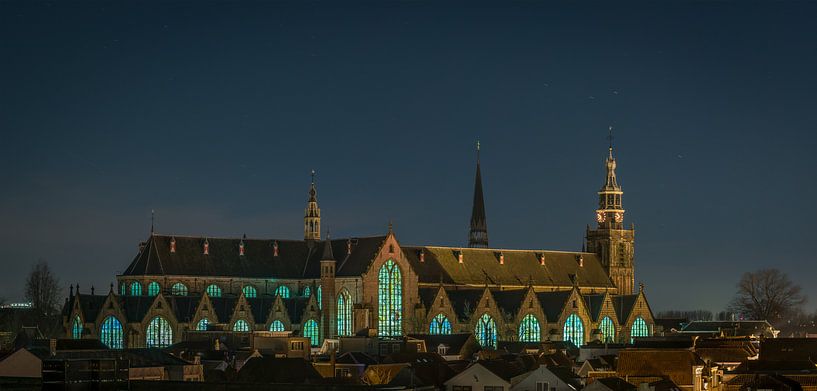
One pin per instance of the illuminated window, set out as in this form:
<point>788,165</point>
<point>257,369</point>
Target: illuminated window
<point>390,300</point>
<point>110,333</point>
<point>529,330</point>
<point>249,291</point>
<point>282,291</point>
<point>213,290</point>
<point>135,289</point>
<point>307,291</point>
<point>178,289</point>
<point>608,329</point>
<point>123,289</point>
<point>311,331</point>
<point>153,288</point>
<point>574,330</point>
<point>344,313</point>
<point>76,328</point>
<point>639,329</point>
<point>241,325</point>
<point>159,333</point>
<point>440,325</point>
<point>486,331</point>
<point>202,325</point>
<point>320,304</point>
<point>276,325</point>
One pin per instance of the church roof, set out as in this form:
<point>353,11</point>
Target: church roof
<point>509,301</point>
<point>427,296</point>
<point>594,304</point>
<point>553,303</point>
<point>136,307</point>
<point>295,307</point>
<point>184,307</point>
<point>520,268</point>
<point>464,301</point>
<point>223,307</point>
<point>623,305</point>
<point>260,307</point>
<point>90,305</point>
<point>296,258</point>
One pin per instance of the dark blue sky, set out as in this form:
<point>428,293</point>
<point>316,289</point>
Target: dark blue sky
<point>213,114</point>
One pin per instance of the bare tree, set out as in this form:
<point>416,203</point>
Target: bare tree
<point>42,289</point>
<point>767,294</point>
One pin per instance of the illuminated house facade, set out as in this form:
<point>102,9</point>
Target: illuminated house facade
<point>340,287</point>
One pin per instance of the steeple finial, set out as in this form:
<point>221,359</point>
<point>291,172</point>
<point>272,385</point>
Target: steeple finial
<point>152,220</point>
<point>312,214</point>
<point>478,236</point>
<point>610,139</point>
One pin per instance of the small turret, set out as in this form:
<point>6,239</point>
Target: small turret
<point>478,236</point>
<point>312,214</point>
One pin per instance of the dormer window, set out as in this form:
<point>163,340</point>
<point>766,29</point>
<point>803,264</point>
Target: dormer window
<point>422,256</point>
<point>241,248</point>
<point>275,248</point>
<point>459,256</point>
<point>542,259</point>
<point>348,246</point>
<point>173,245</point>
<point>501,258</point>
<point>206,247</point>
<point>580,259</point>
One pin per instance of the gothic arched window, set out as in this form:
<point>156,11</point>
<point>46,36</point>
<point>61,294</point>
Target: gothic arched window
<point>574,330</point>
<point>76,328</point>
<point>249,291</point>
<point>529,330</point>
<point>486,331</point>
<point>311,331</point>
<point>276,325</point>
<point>110,333</point>
<point>135,289</point>
<point>307,291</point>
<point>639,329</point>
<point>159,334</point>
<point>178,289</point>
<point>123,289</point>
<point>608,330</point>
<point>344,313</point>
<point>241,325</point>
<point>213,290</point>
<point>320,292</point>
<point>202,325</point>
<point>390,300</point>
<point>439,325</point>
<point>282,291</point>
<point>153,288</point>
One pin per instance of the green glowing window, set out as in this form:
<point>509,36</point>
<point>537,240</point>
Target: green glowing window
<point>282,291</point>
<point>529,330</point>
<point>135,289</point>
<point>344,313</point>
<point>440,325</point>
<point>110,333</point>
<point>574,330</point>
<point>276,325</point>
<point>241,325</point>
<point>159,334</point>
<point>76,328</point>
<point>178,289</point>
<point>311,331</point>
<point>153,288</point>
<point>249,291</point>
<point>486,331</point>
<point>608,329</point>
<point>390,300</point>
<point>202,325</point>
<point>213,290</point>
<point>639,329</point>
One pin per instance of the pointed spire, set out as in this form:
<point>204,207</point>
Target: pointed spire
<point>327,249</point>
<point>152,220</point>
<point>312,191</point>
<point>312,214</point>
<point>610,182</point>
<point>478,236</point>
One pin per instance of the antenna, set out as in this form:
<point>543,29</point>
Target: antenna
<point>313,176</point>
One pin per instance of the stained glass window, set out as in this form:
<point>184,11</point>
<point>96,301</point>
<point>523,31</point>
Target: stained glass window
<point>153,288</point>
<point>178,289</point>
<point>282,291</point>
<point>249,291</point>
<point>110,333</point>
<point>241,325</point>
<point>440,325</point>
<point>123,289</point>
<point>311,331</point>
<point>639,329</point>
<point>135,289</point>
<point>202,325</point>
<point>159,333</point>
<point>529,330</point>
<point>344,313</point>
<point>307,291</point>
<point>318,296</point>
<point>608,330</point>
<point>390,300</point>
<point>574,330</point>
<point>213,290</point>
<point>276,325</point>
<point>486,331</point>
<point>76,328</point>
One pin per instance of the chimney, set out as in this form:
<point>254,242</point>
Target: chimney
<point>501,258</point>
<point>275,248</point>
<point>422,256</point>
<point>241,246</point>
<point>173,245</point>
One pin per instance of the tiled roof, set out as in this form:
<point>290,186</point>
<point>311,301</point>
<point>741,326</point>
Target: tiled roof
<point>260,307</point>
<point>510,301</point>
<point>553,303</point>
<point>673,363</point>
<point>455,342</point>
<point>594,305</point>
<point>90,305</point>
<point>616,384</point>
<point>184,307</point>
<point>464,301</point>
<point>623,304</point>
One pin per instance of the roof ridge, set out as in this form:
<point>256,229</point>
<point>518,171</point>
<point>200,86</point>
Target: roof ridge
<point>499,249</point>
<point>257,238</point>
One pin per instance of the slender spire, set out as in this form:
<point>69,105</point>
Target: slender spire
<point>313,193</point>
<point>610,182</point>
<point>312,214</point>
<point>152,218</point>
<point>478,236</point>
<point>327,249</point>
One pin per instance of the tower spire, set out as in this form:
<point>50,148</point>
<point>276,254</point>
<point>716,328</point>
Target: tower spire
<point>312,214</point>
<point>478,236</point>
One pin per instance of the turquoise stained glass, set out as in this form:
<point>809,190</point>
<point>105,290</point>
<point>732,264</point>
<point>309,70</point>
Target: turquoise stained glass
<point>178,289</point>
<point>213,290</point>
<point>529,329</point>
<point>486,331</point>
<point>311,331</point>
<point>153,288</point>
<point>439,325</point>
<point>307,291</point>
<point>135,289</point>
<point>241,325</point>
<point>123,289</point>
<point>202,325</point>
<point>344,313</point>
<point>76,328</point>
<point>276,325</point>
<point>639,329</point>
<point>608,330</point>
<point>249,291</point>
<point>318,296</point>
<point>574,330</point>
<point>282,291</point>
<point>110,333</point>
<point>390,300</point>
<point>159,334</point>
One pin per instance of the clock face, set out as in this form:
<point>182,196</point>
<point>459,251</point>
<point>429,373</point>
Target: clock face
<point>600,217</point>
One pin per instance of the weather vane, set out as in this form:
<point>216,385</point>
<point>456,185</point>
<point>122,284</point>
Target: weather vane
<point>313,176</point>
<point>610,137</point>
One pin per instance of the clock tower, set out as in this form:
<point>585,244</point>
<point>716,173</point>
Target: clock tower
<point>610,240</point>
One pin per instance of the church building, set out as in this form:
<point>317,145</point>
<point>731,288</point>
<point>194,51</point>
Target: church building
<point>332,287</point>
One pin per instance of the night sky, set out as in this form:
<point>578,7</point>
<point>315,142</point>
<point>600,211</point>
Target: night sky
<point>214,114</point>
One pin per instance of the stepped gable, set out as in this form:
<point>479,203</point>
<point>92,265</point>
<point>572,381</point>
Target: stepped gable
<point>296,258</point>
<point>520,268</point>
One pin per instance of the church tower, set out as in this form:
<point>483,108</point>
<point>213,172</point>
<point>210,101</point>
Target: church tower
<point>312,214</point>
<point>610,240</point>
<point>478,236</point>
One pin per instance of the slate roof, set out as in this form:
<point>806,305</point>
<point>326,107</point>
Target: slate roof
<point>623,304</point>
<point>135,307</point>
<point>90,305</point>
<point>616,384</point>
<point>464,301</point>
<point>427,296</point>
<point>296,258</point>
<point>260,307</point>
<point>295,307</point>
<point>594,305</point>
<point>566,375</point>
<point>278,370</point>
<point>521,268</point>
<point>553,303</point>
<point>184,307</point>
<point>223,307</point>
<point>509,301</point>
<point>673,363</point>
<point>455,342</point>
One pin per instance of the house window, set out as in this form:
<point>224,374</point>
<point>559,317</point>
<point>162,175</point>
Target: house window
<point>344,313</point>
<point>296,345</point>
<point>542,386</point>
<point>159,333</point>
<point>574,330</point>
<point>241,326</point>
<point>153,288</point>
<point>202,325</point>
<point>639,329</point>
<point>250,292</point>
<point>276,325</point>
<point>282,291</point>
<point>461,388</point>
<point>440,325</point>
<point>390,300</point>
<point>213,290</point>
<point>486,331</point>
<point>608,329</point>
<point>342,372</point>
<point>76,328</point>
<point>178,289</point>
<point>529,330</point>
<point>110,333</point>
<point>135,289</point>
<point>442,349</point>
<point>311,331</point>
